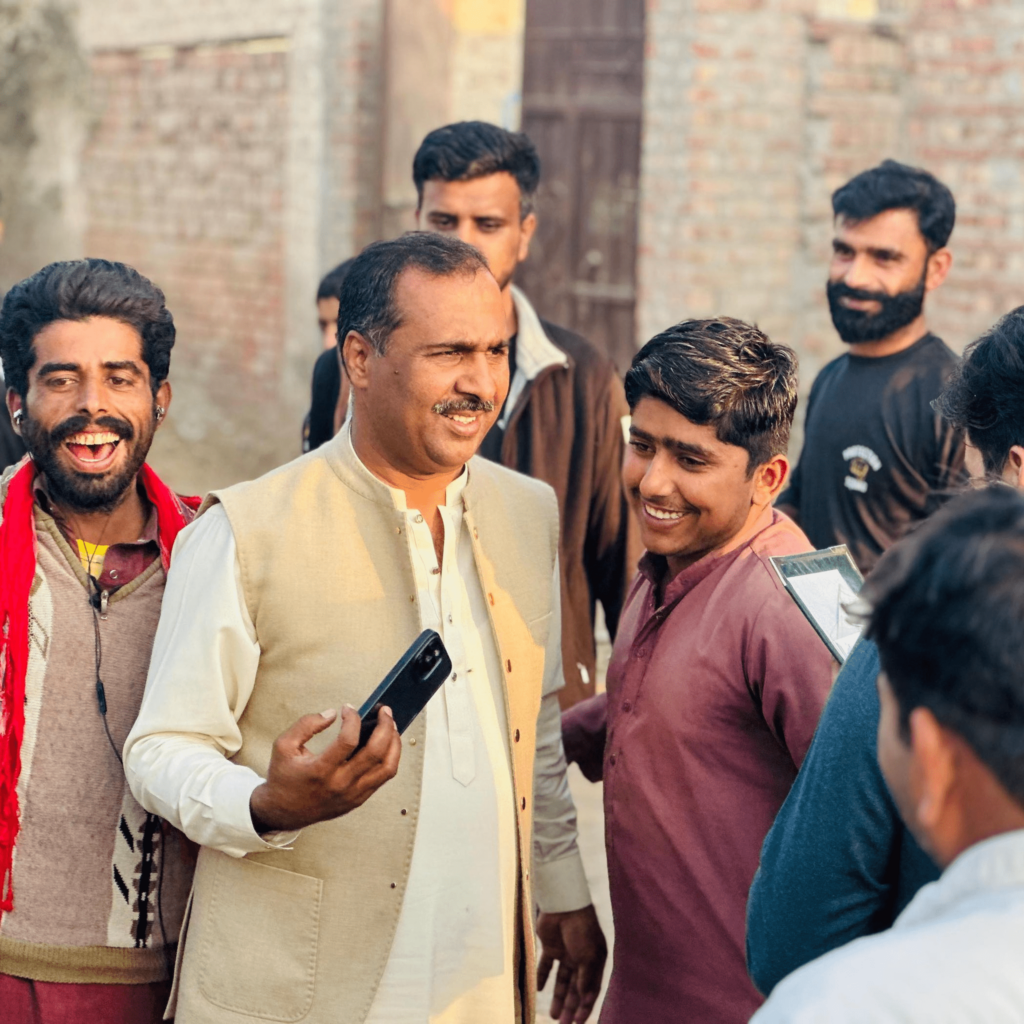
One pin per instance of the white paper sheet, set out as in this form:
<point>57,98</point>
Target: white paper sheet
<point>824,594</point>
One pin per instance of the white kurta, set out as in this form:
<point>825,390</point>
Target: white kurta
<point>954,956</point>
<point>452,956</point>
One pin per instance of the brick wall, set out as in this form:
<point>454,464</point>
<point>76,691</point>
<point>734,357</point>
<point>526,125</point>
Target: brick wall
<point>755,110</point>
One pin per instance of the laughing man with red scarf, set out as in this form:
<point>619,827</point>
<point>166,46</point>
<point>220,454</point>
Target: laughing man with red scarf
<point>92,888</point>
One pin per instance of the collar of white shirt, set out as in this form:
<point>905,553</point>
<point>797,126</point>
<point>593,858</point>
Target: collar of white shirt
<point>986,867</point>
<point>452,495</point>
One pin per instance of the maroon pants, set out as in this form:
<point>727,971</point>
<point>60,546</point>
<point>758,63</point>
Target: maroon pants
<point>46,1002</point>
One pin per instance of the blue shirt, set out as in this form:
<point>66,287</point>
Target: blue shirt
<point>838,862</point>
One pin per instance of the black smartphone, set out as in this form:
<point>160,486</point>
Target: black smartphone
<point>416,677</point>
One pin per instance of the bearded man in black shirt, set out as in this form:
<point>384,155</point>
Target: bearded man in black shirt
<point>876,456</point>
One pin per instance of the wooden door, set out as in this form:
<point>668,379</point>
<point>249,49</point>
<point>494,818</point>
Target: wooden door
<point>582,106</point>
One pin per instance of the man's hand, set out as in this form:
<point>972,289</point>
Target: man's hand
<point>576,941</point>
<point>303,788</point>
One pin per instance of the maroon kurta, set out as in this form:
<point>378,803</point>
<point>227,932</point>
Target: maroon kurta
<point>711,705</point>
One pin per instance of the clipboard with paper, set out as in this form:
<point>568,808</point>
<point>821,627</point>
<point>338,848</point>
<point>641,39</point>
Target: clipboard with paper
<point>823,583</point>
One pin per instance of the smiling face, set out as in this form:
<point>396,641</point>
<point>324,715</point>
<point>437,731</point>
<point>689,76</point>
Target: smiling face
<point>426,404</point>
<point>691,492</point>
<point>89,413</point>
<point>485,213</point>
<point>880,271</point>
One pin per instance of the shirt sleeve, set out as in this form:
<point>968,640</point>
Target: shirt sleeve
<point>829,863</point>
<point>559,881</point>
<point>201,676</point>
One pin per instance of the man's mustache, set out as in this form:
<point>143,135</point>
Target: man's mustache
<point>76,424</point>
<point>841,290</point>
<point>471,404</point>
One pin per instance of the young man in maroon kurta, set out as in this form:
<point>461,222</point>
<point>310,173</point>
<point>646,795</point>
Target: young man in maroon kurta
<point>716,680</point>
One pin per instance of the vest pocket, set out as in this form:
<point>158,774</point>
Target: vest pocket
<point>259,941</point>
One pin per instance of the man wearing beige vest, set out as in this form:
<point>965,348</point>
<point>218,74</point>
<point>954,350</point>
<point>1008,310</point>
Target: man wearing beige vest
<point>298,592</point>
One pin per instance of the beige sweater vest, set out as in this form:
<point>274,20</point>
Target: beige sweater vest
<point>304,934</point>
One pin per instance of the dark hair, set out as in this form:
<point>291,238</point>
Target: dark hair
<point>946,607</point>
<point>77,290</point>
<point>724,372</point>
<point>985,395</point>
<point>475,149</point>
<point>895,186</point>
<point>367,296</point>
<point>331,282</point>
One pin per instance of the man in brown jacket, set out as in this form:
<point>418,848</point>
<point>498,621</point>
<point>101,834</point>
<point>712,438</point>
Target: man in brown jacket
<point>562,421</point>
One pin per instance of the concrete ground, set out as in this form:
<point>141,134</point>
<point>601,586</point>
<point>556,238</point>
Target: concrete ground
<point>588,797</point>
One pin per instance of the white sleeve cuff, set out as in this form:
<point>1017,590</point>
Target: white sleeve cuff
<point>561,885</point>
<point>235,820</point>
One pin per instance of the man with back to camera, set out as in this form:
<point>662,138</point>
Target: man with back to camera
<point>839,863</point>
<point>876,456</point>
<point>92,888</point>
<point>329,393</point>
<point>409,894</point>
<point>945,609</point>
<point>716,680</point>
<point>562,421</point>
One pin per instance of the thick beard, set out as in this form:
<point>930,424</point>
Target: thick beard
<point>854,325</point>
<point>86,492</point>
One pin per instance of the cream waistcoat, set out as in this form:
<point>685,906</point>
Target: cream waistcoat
<point>304,934</point>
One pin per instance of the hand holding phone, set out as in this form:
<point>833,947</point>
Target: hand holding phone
<point>303,788</point>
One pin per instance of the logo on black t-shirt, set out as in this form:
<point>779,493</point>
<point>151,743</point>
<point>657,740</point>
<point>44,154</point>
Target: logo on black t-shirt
<point>861,461</point>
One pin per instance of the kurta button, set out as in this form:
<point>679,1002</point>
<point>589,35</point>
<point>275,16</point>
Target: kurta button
<point>398,529</point>
<point>476,533</point>
<point>418,518</point>
<point>449,618</point>
<point>611,759</point>
<point>412,742</point>
<point>490,597</point>
<point>113,574</point>
<point>436,570</point>
<point>394,885</point>
<point>523,803</point>
<point>455,675</point>
<point>508,666</point>
<point>404,811</point>
<point>517,735</point>
<point>627,706</point>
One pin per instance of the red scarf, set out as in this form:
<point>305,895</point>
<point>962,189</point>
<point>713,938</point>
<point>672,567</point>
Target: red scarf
<point>17,570</point>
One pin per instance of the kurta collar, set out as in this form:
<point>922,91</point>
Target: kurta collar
<point>653,567</point>
<point>342,457</point>
<point>986,867</point>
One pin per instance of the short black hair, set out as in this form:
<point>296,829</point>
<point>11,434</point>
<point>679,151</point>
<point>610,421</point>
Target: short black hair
<point>331,282</point>
<point>475,149</point>
<point>77,290</point>
<point>367,296</point>
<point>946,607</point>
<point>724,372</point>
<point>985,395</point>
<point>895,186</point>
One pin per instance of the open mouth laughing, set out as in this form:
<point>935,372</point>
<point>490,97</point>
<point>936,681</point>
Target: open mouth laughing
<point>93,448</point>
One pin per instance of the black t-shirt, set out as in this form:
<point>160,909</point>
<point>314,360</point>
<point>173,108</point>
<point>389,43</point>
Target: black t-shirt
<point>876,456</point>
<point>319,425</point>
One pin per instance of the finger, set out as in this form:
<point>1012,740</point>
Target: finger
<point>544,966</point>
<point>588,986</point>
<point>379,744</point>
<point>293,740</point>
<point>572,997</point>
<point>347,739</point>
<point>367,776</point>
<point>562,990</point>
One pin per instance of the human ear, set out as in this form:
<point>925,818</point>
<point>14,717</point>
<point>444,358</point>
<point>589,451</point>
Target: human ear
<point>526,229</point>
<point>769,479</point>
<point>356,353</point>
<point>937,268</point>
<point>1013,472</point>
<point>933,772</point>
<point>15,404</point>
<point>162,400</point>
